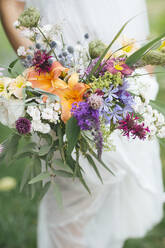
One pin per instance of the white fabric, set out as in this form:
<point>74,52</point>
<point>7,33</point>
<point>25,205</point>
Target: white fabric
<point>129,204</point>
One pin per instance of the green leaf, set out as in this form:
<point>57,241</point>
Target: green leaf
<point>100,161</point>
<point>44,150</point>
<point>12,64</point>
<point>40,177</point>
<point>62,173</point>
<point>58,194</point>
<point>26,176</point>
<point>72,134</point>
<point>160,106</point>
<point>44,190</point>
<point>11,148</point>
<point>92,163</point>
<point>130,61</point>
<point>61,164</point>
<point>107,49</point>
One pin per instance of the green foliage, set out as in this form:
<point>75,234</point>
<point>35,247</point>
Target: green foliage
<point>72,134</point>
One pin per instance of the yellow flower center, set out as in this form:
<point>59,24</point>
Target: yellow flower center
<point>19,84</point>
<point>163,44</point>
<point>118,67</point>
<point>128,49</point>
<point>2,87</point>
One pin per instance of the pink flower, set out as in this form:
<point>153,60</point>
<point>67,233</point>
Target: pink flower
<point>118,65</point>
<point>130,126</point>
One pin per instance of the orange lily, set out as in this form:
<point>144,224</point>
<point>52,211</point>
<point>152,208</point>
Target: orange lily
<point>47,81</point>
<point>73,92</point>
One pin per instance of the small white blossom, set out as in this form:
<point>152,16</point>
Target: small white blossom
<point>16,24</point>
<point>161,133</point>
<point>21,51</point>
<point>34,112</point>
<point>38,126</point>
<point>29,34</point>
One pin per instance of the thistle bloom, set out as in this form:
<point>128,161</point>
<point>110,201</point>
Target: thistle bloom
<point>95,101</point>
<point>29,18</point>
<point>23,125</point>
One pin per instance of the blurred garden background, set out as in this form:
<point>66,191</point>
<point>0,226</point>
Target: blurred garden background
<point>18,214</point>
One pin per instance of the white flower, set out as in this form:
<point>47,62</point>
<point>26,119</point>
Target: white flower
<point>160,119</point>
<point>29,34</point>
<point>34,112</point>
<point>38,126</point>
<point>16,24</point>
<point>161,133</point>
<point>145,86</point>
<point>21,51</point>
<point>139,106</point>
<point>10,111</point>
<point>57,107</point>
<point>47,114</point>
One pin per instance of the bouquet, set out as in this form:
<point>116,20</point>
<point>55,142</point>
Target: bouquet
<point>70,99</point>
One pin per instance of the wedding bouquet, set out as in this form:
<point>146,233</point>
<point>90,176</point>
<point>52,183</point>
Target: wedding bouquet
<point>70,99</point>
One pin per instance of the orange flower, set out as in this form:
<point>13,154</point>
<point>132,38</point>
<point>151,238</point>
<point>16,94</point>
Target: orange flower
<point>70,93</point>
<point>46,81</point>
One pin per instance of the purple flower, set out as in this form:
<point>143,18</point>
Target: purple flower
<point>41,61</point>
<point>112,93</point>
<point>23,125</point>
<point>88,119</point>
<point>101,68</point>
<point>116,65</point>
<point>115,115</point>
<point>129,126</point>
<point>85,115</point>
<point>95,101</point>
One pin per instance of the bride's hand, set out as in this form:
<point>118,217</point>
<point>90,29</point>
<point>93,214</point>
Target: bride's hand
<point>9,13</point>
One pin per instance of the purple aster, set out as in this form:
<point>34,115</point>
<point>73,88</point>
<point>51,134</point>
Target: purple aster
<point>41,61</point>
<point>23,125</point>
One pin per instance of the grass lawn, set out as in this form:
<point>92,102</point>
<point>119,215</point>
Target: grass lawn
<point>18,218</point>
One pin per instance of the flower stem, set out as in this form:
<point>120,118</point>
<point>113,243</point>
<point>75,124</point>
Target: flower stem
<point>47,41</point>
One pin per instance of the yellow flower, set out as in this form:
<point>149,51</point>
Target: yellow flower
<point>16,87</point>
<point>7,183</point>
<point>162,45</point>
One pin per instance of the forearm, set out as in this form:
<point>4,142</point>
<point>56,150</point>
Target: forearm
<point>9,12</point>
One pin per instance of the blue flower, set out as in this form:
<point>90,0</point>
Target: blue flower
<point>116,114</point>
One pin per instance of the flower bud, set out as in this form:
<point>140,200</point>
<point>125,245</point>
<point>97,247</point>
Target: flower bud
<point>96,48</point>
<point>29,18</point>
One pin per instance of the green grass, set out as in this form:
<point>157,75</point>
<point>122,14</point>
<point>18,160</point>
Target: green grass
<point>18,218</point>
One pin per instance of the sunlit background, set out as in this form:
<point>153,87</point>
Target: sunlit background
<point>18,214</point>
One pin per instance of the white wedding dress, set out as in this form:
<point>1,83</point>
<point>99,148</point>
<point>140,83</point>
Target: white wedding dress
<point>126,205</point>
